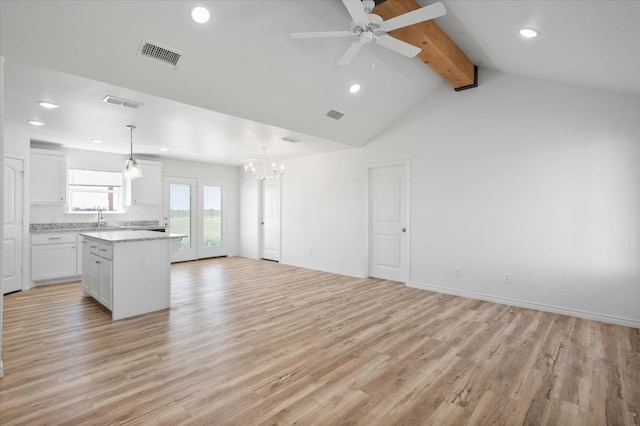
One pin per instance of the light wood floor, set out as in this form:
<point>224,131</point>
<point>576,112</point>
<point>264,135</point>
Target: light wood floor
<point>257,343</point>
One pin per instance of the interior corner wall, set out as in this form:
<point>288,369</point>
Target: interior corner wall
<point>536,179</point>
<point>322,208</point>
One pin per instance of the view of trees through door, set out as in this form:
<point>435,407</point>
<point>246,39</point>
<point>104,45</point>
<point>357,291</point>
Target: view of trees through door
<point>195,208</point>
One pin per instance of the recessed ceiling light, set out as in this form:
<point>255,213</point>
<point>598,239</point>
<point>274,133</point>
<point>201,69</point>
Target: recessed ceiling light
<point>200,14</point>
<point>96,140</point>
<point>528,33</point>
<point>36,123</point>
<point>354,88</point>
<point>49,105</point>
<point>164,149</point>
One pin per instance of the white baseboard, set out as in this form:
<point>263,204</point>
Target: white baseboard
<point>1,369</point>
<point>326,269</point>
<point>628,322</point>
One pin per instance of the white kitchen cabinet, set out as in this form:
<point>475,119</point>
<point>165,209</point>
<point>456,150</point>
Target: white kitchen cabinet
<point>53,255</point>
<point>48,177</point>
<point>106,282</point>
<point>94,276</point>
<point>148,188</point>
<point>99,283</point>
<point>85,258</point>
<point>134,270</point>
<point>79,262</point>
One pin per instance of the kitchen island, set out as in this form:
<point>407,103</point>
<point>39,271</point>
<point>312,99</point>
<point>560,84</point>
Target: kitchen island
<point>129,272</point>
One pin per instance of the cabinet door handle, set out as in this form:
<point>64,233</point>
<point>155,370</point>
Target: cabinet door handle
<point>103,249</point>
<point>97,261</point>
<point>55,238</point>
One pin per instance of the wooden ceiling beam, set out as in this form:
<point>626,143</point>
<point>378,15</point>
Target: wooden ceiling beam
<point>439,52</point>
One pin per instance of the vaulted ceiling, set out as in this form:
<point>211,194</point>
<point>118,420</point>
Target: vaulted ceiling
<point>242,82</point>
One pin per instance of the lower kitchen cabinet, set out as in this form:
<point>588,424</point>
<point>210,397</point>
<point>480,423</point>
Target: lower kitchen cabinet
<point>53,256</point>
<point>98,283</point>
<point>106,282</point>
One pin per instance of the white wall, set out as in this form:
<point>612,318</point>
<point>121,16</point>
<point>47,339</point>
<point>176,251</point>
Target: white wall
<point>537,179</point>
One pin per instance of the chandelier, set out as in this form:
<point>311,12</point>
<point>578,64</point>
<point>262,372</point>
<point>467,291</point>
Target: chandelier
<point>273,174</point>
<point>132,169</point>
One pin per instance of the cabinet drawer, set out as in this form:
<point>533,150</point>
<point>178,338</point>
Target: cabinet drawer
<point>106,251</point>
<point>94,247</point>
<point>53,238</point>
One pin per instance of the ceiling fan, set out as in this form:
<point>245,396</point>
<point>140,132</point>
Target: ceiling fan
<point>368,27</point>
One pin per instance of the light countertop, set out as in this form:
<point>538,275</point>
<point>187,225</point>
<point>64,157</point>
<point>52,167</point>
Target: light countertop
<point>127,236</point>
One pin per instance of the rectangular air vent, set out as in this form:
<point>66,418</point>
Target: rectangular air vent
<point>122,102</point>
<point>159,53</point>
<point>336,115</point>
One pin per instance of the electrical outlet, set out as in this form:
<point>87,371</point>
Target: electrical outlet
<point>457,271</point>
<point>507,277</point>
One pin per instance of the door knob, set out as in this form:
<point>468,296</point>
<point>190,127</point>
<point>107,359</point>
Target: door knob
<point>404,229</point>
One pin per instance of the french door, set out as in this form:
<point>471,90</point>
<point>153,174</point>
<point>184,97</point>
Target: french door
<point>196,208</point>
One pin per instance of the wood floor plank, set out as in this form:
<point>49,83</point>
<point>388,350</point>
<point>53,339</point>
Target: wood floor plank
<point>250,342</point>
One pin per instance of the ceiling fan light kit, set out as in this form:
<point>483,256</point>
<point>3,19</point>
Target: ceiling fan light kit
<point>369,27</point>
<point>409,26</point>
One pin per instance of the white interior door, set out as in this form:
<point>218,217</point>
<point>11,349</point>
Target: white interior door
<point>180,210</point>
<point>388,212</point>
<point>271,220</point>
<point>13,193</point>
<point>211,228</point>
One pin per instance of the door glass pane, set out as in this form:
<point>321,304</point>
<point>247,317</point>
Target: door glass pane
<point>212,229</point>
<point>180,212</point>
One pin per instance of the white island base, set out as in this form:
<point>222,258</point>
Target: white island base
<point>129,272</point>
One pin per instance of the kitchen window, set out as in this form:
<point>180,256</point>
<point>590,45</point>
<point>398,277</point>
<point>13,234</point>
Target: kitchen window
<point>93,190</point>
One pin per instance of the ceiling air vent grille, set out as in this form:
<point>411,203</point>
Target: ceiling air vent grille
<point>336,115</point>
<point>123,102</point>
<point>157,52</point>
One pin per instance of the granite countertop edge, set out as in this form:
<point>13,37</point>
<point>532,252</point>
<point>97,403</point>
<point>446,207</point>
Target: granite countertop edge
<point>125,236</point>
<point>44,228</point>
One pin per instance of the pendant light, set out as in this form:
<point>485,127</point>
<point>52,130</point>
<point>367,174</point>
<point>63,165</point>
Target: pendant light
<point>132,169</point>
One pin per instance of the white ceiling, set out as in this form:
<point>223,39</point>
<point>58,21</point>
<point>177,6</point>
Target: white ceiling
<point>243,83</point>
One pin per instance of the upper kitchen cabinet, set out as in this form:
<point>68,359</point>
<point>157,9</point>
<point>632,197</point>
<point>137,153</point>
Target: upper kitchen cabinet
<point>48,177</point>
<point>148,188</point>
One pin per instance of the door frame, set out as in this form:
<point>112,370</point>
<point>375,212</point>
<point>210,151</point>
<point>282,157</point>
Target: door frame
<point>366,255</point>
<point>26,274</point>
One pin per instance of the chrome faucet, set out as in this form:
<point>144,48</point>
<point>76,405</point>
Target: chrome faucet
<point>100,217</point>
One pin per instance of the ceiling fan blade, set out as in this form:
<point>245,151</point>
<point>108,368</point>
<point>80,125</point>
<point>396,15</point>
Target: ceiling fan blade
<point>322,34</point>
<point>350,53</point>
<point>419,15</point>
<point>356,10</point>
<point>398,46</point>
